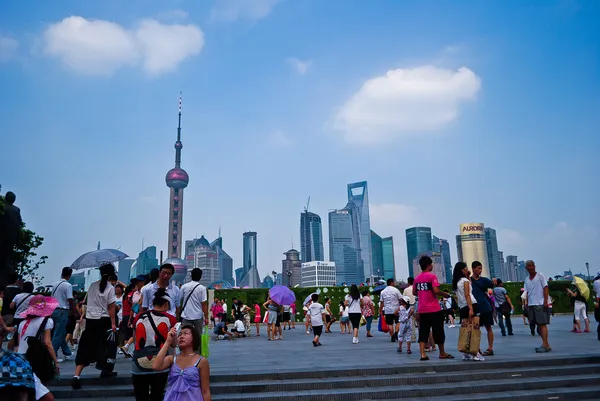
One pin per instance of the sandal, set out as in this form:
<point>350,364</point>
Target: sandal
<point>425,359</point>
<point>488,352</point>
<point>409,352</point>
<point>447,356</point>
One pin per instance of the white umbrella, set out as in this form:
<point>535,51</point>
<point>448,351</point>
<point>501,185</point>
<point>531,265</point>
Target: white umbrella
<point>98,258</point>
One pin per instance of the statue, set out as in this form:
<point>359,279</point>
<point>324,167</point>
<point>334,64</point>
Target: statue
<point>10,228</point>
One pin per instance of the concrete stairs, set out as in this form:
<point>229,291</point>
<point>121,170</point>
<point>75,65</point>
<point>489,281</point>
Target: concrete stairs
<point>575,378</point>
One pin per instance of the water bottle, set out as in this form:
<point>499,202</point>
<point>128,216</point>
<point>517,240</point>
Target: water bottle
<point>10,336</point>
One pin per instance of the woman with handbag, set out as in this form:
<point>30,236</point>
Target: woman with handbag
<point>151,331</point>
<point>467,304</point>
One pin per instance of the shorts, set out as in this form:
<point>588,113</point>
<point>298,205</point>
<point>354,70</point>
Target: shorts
<point>345,319</point>
<point>405,333</point>
<point>286,316</point>
<point>486,319</point>
<point>580,311</point>
<point>355,319</point>
<point>292,318</point>
<point>278,320</point>
<point>272,317</point>
<point>391,319</point>
<point>432,322</point>
<point>537,314</point>
<point>317,330</point>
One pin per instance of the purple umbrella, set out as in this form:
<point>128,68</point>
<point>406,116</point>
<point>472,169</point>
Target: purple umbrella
<point>282,295</point>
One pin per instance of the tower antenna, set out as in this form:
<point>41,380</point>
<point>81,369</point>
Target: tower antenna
<point>307,204</point>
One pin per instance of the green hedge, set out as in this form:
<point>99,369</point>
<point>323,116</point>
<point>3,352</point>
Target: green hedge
<point>562,302</point>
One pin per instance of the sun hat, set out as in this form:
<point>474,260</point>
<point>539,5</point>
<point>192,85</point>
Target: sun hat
<point>40,306</point>
<point>406,299</point>
<point>15,372</point>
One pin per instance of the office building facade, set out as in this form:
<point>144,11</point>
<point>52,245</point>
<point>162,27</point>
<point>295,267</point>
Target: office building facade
<point>291,268</point>
<point>493,253</point>
<point>318,274</point>
<point>418,241</point>
<point>442,246</point>
<point>344,245</point>
<point>389,263</point>
<point>438,264</point>
<point>250,277</point>
<point>358,194</point>
<point>145,262</point>
<point>472,246</point>
<point>124,273</point>
<point>311,237</point>
<point>377,257</point>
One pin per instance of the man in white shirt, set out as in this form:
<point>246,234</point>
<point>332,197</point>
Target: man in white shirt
<point>538,311</point>
<point>389,305</point>
<point>194,308</point>
<point>63,293</point>
<point>164,281</point>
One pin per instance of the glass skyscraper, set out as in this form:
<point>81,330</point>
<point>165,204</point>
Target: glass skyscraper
<point>492,251</point>
<point>344,245</point>
<point>377,252</point>
<point>249,250</point>
<point>443,247</point>
<point>358,194</point>
<point>311,237</point>
<point>418,241</point>
<point>387,251</point>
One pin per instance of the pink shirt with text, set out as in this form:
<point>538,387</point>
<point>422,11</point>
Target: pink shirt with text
<point>423,288</point>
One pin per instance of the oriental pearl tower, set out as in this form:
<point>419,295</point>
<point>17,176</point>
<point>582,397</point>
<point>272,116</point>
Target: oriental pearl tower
<point>177,179</point>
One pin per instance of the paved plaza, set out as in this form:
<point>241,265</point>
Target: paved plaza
<point>296,352</point>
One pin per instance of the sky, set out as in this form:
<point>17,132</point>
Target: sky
<point>453,112</point>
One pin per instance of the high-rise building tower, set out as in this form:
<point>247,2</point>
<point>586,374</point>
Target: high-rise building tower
<point>358,194</point>
<point>344,245</point>
<point>250,276</point>
<point>418,241</point>
<point>377,256</point>
<point>493,253</point>
<point>311,237</point>
<point>389,264</point>
<point>472,246</point>
<point>177,179</point>
<point>442,246</point>
<point>291,268</point>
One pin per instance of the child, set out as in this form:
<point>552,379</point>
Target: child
<point>240,329</point>
<point>344,318</point>
<point>189,373</point>
<point>316,311</point>
<point>221,331</point>
<point>405,317</point>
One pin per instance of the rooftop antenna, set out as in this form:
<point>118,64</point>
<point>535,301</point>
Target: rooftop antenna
<point>142,243</point>
<point>219,231</point>
<point>307,204</point>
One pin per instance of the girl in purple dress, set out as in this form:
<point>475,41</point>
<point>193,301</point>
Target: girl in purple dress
<point>189,372</point>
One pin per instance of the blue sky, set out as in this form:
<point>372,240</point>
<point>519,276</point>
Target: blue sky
<point>453,112</point>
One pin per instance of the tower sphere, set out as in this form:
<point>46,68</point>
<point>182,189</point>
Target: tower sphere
<point>177,178</point>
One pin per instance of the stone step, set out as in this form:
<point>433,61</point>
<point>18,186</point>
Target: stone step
<point>356,383</point>
<point>420,390</point>
<point>588,393</point>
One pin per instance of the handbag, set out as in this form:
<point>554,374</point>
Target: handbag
<point>37,353</point>
<point>469,336</point>
<point>107,363</point>
<point>382,325</point>
<point>144,357</point>
<point>205,343</point>
<point>363,321</point>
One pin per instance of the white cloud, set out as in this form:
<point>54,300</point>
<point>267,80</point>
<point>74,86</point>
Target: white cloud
<point>233,10</point>
<point>394,214</point>
<point>405,101</point>
<point>8,48</point>
<point>278,139</point>
<point>300,66</point>
<point>98,47</point>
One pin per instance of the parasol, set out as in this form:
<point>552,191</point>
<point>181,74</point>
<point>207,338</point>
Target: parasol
<point>582,287</point>
<point>98,258</point>
<point>282,295</point>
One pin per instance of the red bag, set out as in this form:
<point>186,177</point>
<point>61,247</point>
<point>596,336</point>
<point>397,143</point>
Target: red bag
<point>382,325</point>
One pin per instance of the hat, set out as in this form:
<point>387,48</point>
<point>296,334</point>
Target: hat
<point>406,299</point>
<point>41,306</point>
<point>15,371</point>
<point>140,277</point>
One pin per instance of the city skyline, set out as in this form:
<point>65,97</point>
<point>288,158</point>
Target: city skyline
<point>90,120</point>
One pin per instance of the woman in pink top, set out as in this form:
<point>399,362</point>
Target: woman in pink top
<point>257,318</point>
<point>431,317</point>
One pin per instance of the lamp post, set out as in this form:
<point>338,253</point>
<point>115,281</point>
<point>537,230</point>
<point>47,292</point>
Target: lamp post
<point>587,266</point>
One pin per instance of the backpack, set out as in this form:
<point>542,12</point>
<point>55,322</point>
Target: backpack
<point>38,355</point>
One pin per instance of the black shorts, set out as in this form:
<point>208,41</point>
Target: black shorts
<point>391,319</point>
<point>355,319</point>
<point>327,318</point>
<point>278,321</point>
<point>317,330</point>
<point>432,322</point>
<point>486,319</point>
<point>286,316</point>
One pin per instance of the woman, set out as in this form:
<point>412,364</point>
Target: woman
<point>189,374</point>
<point>272,308</point>
<point>151,331</point>
<point>354,302</point>
<point>217,311</point>
<point>39,310</point>
<point>100,318</point>
<point>344,319</point>
<point>329,318</point>
<point>368,310</point>
<point>257,317</point>
<point>467,304</point>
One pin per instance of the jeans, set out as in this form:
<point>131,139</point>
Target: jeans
<point>144,384</point>
<point>59,334</point>
<point>501,317</point>
<point>369,322</point>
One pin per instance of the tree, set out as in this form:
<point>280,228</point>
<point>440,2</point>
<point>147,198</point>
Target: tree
<point>25,256</point>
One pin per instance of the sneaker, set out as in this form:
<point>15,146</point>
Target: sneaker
<point>60,360</point>
<point>542,350</point>
<point>479,357</point>
<point>69,357</point>
<point>356,340</point>
<point>353,340</point>
<point>467,357</point>
<point>76,383</point>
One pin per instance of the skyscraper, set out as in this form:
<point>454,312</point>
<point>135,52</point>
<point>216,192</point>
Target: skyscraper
<point>418,241</point>
<point>511,268</point>
<point>311,237</point>
<point>377,255</point>
<point>125,270</point>
<point>442,246</point>
<point>389,264</point>
<point>472,246</point>
<point>250,276</point>
<point>358,194</point>
<point>344,245</point>
<point>291,268</point>
<point>145,262</point>
<point>438,265</point>
<point>493,253</point>
<point>177,179</point>
<point>501,258</point>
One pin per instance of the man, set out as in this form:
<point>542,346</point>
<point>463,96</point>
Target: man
<point>431,319</point>
<point>165,273</point>
<point>536,288</point>
<point>63,293</point>
<point>597,301</point>
<point>481,285</point>
<point>408,292</point>
<point>10,228</point>
<point>194,310</point>
<point>389,305</point>
<point>505,306</point>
